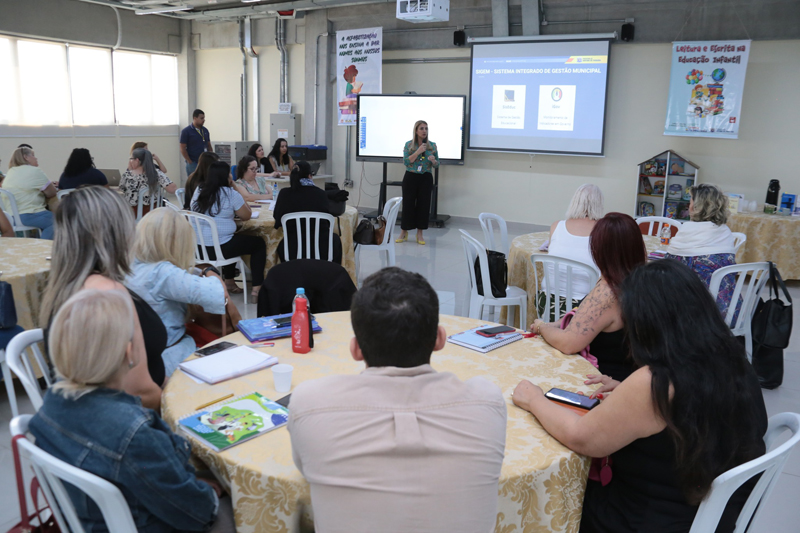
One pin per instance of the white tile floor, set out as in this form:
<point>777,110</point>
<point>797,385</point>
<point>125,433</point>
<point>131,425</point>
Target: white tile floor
<point>442,262</point>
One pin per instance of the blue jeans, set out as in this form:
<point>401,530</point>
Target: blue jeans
<point>190,167</point>
<point>42,220</point>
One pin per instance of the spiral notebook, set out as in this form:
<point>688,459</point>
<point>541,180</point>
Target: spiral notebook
<point>228,364</point>
<point>479,343</point>
<point>234,421</point>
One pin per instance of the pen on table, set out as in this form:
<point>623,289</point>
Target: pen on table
<point>212,402</point>
<point>260,344</point>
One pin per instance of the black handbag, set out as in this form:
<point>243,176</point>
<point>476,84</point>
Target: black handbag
<point>365,232</point>
<point>498,273</point>
<point>771,331</point>
<point>8,311</point>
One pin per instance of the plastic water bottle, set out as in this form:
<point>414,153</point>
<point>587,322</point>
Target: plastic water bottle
<point>301,324</point>
<point>274,191</point>
<point>300,292</point>
<point>666,234</point>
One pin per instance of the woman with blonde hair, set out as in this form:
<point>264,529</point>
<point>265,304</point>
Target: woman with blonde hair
<point>31,190</point>
<point>163,259</point>
<point>420,156</point>
<point>94,231</point>
<point>90,421</point>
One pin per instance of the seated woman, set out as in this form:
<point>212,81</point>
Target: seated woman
<point>279,158</point>
<point>218,199</point>
<point>80,170</point>
<point>89,421</point>
<point>570,239</point>
<point>692,410</point>
<point>163,256</point>
<point>94,232</point>
<point>251,186</point>
<point>143,175</point>
<point>31,190</point>
<point>156,160</point>
<point>617,248</point>
<point>198,177</point>
<point>705,243</point>
<point>303,195</point>
<point>264,166</point>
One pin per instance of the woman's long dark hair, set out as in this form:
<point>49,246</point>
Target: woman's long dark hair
<point>676,330</point>
<point>301,170</point>
<point>253,149</point>
<point>79,161</point>
<point>617,247</point>
<point>241,167</point>
<point>148,168</point>
<point>276,152</point>
<point>209,198</point>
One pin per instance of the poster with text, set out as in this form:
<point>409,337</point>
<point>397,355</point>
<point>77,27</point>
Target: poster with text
<point>358,69</point>
<point>706,85</point>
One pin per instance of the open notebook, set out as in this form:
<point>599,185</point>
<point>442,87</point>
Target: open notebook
<point>228,364</point>
<point>473,341</point>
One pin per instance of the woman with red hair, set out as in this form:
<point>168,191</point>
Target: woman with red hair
<point>617,248</point>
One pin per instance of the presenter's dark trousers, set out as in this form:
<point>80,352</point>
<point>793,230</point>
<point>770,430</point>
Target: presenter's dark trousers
<point>417,190</point>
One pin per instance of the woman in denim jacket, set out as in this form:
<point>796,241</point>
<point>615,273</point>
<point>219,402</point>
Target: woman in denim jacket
<point>88,421</point>
<point>163,255</point>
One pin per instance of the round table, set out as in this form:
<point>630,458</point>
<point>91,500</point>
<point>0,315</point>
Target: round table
<point>264,227</point>
<point>24,264</point>
<point>773,238</point>
<point>520,267</point>
<point>541,481</point>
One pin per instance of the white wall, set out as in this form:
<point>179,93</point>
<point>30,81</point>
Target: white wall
<point>538,190</point>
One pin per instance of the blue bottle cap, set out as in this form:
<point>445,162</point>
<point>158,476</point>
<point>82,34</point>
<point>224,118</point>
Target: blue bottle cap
<point>301,290</point>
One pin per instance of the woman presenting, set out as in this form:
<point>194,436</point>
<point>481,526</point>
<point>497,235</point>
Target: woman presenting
<point>419,156</point>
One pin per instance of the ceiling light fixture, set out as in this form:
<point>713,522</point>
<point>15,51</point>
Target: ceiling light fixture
<point>165,9</point>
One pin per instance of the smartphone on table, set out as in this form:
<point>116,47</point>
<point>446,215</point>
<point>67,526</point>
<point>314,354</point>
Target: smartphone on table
<point>284,401</point>
<point>220,346</point>
<point>572,399</point>
<point>493,332</point>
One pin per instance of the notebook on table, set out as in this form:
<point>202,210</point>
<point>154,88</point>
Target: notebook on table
<point>479,343</point>
<point>228,364</point>
<point>234,421</point>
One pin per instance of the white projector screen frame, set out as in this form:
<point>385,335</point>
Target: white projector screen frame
<point>397,114</point>
<point>557,142</point>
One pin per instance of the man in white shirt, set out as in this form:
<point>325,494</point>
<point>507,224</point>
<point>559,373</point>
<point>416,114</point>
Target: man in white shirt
<point>399,447</point>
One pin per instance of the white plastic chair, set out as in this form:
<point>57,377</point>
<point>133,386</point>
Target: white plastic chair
<point>755,275</point>
<point>181,194</point>
<point>514,295</point>
<point>201,254</point>
<point>488,221</point>
<point>8,377</point>
<point>307,217</point>
<point>771,464</point>
<point>657,222</point>
<point>390,211</point>
<point>9,207</point>
<point>20,364</point>
<point>169,204</point>
<point>551,285</point>
<point>63,192</point>
<point>155,201</point>
<point>52,472</point>
<point>738,240</point>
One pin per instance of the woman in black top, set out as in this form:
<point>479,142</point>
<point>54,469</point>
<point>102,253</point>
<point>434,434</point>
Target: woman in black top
<point>80,170</point>
<point>691,411</point>
<point>303,195</point>
<point>92,243</point>
<point>264,166</point>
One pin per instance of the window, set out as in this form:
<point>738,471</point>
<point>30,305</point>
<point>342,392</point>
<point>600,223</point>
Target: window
<point>53,84</point>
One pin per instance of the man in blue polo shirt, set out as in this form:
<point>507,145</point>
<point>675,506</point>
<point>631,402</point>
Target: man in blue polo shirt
<point>194,140</point>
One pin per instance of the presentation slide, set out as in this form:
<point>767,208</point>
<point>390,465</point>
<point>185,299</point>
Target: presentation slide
<point>539,97</point>
<point>386,123</point>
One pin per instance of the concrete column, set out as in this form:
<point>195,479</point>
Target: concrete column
<point>317,67</point>
<point>499,18</point>
<point>187,84</point>
<point>530,17</point>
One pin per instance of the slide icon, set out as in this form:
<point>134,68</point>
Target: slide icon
<point>508,107</point>
<point>556,107</point>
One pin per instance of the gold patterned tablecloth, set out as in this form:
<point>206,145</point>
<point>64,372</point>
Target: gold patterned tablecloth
<point>24,265</point>
<point>264,227</point>
<point>541,482</point>
<point>773,238</point>
<point>520,268</point>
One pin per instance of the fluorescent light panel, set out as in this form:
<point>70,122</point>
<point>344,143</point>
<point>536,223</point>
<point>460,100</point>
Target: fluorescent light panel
<point>157,10</point>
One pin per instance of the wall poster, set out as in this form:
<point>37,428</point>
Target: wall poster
<point>359,56</point>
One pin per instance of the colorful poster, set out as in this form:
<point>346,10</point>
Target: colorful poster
<point>359,56</point>
<point>706,85</point>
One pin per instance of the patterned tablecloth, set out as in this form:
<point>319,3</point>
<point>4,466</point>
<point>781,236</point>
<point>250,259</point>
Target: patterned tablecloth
<point>773,238</point>
<point>520,268</point>
<point>541,483</point>
<point>264,227</point>
<point>24,265</point>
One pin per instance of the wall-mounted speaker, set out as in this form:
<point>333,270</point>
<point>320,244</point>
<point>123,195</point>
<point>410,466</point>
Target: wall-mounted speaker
<point>627,32</point>
<point>459,38</point>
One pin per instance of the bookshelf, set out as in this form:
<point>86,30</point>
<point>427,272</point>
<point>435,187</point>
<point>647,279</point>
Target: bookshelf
<point>662,186</point>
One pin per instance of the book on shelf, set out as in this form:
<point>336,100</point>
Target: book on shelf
<point>228,364</point>
<point>266,328</point>
<point>234,421</point>
<point>479,343</point>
